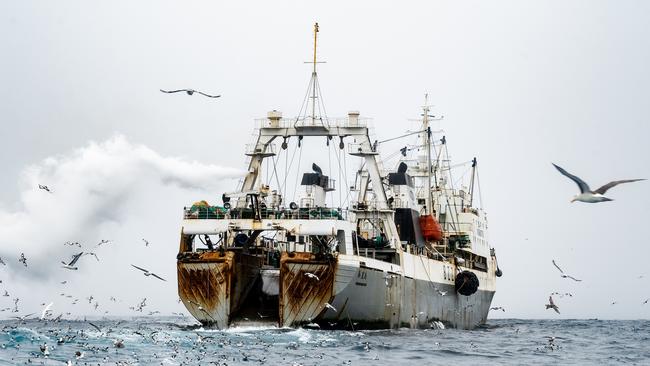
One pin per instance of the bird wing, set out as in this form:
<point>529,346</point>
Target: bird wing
<point>142,269</point>
<point>573,278</point>
<point>558,267</point>
<point>556,309</point>
<point>47,308</point>
<point>207,95</point>
<point>173,91</point>
<point>75,258</point>
<point>609,185</point>
<point>584,187</point>
<point>158,277</point>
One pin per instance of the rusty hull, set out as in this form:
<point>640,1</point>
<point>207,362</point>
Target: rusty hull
<point>303,298</point>
<point>204,284</point>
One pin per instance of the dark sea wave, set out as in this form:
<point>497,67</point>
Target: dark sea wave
<point>173,341</point>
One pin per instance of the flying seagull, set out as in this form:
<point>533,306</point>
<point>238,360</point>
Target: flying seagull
<point>46,310</point>
<point>563,275</point>
<point>498,308</point>
<point>23,259</point>
<point>147,273</point>
<point>74,260</point>
<point>586,194</point>
<point>312,276</point>
<point>190,92</point>
<point>45,188</point>
<point>551,305</point>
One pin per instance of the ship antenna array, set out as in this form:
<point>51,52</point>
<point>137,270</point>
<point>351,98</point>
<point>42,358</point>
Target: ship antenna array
<point>314,88</point>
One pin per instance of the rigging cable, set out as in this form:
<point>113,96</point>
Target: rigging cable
<point>295,188</point>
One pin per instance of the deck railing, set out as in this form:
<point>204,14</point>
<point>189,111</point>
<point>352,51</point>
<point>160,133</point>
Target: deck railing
<point>304,213</point>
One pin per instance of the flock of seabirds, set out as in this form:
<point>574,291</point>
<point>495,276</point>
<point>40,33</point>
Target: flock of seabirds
<point>586,195</point>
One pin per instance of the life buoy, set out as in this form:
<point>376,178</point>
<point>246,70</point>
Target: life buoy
<point>466,283</point>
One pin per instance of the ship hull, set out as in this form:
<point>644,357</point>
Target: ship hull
<point>367,293</point>
<point>405,302</point>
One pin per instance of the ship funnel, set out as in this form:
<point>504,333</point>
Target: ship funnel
<point>353,118</point>
<point>274,118</point>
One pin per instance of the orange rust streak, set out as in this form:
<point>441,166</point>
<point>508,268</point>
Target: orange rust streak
<point>206,281</point>
<point>302,296</point>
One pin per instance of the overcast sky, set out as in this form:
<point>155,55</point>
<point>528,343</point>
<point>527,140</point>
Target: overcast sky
<point>521,85</point>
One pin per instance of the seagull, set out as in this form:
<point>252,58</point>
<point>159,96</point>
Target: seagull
<point>46,310</point>
<point>2,262</point>
<point>586,194</point>
<point>198,306</point>
<point>103,241</point>
<point>563,275</point>
<point>498,308</point>
<point>190,92</point>
<point>147,273</point>
<point>23,318</point>
<point>312,276</point>
<point>551,305</point>
<point>45,188</point>
<point>146,242</point>
<point>22,259</point>
<point>74,260</point>
<point>329,306</point>
<point>646,301</point>
<point>119,343</point>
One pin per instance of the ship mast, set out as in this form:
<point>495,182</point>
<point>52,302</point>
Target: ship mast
<point>314,77</point>
<point>427,138</point>
<point>307,115</point>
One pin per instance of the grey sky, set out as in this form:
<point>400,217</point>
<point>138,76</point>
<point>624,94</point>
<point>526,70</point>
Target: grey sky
<point>521,85</point>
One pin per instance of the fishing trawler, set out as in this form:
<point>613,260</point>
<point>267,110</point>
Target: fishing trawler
<point>402,247</point>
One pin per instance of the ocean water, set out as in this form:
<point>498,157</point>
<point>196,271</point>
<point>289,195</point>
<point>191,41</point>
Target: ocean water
<point>174,341</point>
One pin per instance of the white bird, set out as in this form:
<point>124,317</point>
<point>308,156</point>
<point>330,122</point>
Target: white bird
<point>103,241</point>
<point>198,306</point>
<point>564,275</point>
<point>312,276</point>
<point>118,343</point>
<point>74,260</point>
<point>45,188</point>
<point>23,318</point>
<point>190,92</point>
<point>551,305</point>
<point>586,194</point>
<point>46,310</point>
<point>329,306</point>
<point>147,273</point>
